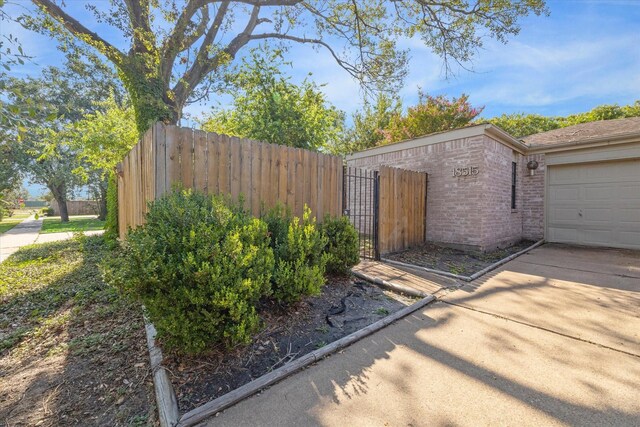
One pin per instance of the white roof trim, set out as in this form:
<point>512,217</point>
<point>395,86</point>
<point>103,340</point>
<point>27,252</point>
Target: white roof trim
<point>437,138</point>
<point>585,143</point>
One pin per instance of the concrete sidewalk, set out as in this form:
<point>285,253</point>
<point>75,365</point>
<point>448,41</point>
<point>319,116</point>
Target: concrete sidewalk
<point>22,234</point>
<point>530,344</point>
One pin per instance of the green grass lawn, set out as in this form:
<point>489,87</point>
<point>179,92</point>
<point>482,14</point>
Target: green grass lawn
<point>75,224</point>
<point>8,222</point>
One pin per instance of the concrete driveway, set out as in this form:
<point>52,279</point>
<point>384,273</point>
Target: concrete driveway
<point>550,338</point>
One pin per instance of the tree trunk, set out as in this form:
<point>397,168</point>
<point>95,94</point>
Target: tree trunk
<point>60,194</point>
<point>102,201</point>
<point>151,100</point>
<point>64,212</point>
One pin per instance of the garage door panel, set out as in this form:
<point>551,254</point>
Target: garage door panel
<point>564,214</point>
<point>629,216</point>
<point>599,193</point>
<point>596,237</point>
<point>595,204</point>
<point>567,235</point>
<point>629,239</point>
<point>629,192</point>
<point>598,215</point>
<point>564,193</point>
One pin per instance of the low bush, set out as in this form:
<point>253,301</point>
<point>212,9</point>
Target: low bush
<point>298,246</point>
<point>47,211</point>
<point>200,266</point>
<point>342,245</point>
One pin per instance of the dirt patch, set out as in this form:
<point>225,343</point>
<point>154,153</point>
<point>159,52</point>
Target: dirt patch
<point>455,261</point>
<point>344,306</point>
<point>72,350</point>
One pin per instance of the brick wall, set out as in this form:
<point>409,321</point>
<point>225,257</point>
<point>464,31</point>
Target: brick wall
<point>502,225</point>
<point>452,214</point>
<point>471,211</point>
<point>533,199</point>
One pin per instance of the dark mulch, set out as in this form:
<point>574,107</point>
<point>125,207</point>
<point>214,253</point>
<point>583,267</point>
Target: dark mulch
<point>72,350</point>
<point>344,306</point>
<point>454,260</point>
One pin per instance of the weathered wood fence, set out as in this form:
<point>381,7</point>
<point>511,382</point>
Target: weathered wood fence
<point>402,209</point>
<point>263,174</point>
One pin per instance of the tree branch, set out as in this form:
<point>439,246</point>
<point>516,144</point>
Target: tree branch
<point>348,67</point>
<point>203,65</point>
<point>80,31</point>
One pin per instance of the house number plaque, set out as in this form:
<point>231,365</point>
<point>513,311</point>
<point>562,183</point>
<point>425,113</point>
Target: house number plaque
<point>466,171</point>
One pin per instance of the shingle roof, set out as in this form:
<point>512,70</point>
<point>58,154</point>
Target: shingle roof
<point>586,131</point>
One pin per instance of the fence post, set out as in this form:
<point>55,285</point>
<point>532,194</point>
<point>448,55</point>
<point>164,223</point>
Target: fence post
<point>376,214</point>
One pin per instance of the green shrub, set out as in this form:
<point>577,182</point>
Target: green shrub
<point>200,267</point>
<point>298,248</point>
<point>46,211</point>
<point>111,221</point>
<point>342,245</point>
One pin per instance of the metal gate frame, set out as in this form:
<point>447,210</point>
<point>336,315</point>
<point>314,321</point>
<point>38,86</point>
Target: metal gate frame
<point>361,203</point>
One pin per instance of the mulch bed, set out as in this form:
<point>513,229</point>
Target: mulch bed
<point>454,260</point>
<point>72,350</point>
<point>344,306</point>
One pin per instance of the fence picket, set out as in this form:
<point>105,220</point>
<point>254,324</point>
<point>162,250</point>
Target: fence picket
<point>264,174</point>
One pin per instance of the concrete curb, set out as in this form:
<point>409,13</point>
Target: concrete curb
<point>168,412</point>
<point>390,285</point>
<point>211,408</point>
<point>474,276</point>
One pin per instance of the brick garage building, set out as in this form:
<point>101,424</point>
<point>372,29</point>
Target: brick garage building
<point>487,189</point>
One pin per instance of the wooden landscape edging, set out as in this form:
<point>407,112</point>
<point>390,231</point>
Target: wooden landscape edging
<point>213,407</point>
<point>260,174</point>
<point>166,401</point>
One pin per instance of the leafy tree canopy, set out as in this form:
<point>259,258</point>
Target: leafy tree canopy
<point>368,123</point>
<point>175,50</point>
<point>520,124</point>
<point>432,114</point>
<point>268,107</point>
<point>102,138</point>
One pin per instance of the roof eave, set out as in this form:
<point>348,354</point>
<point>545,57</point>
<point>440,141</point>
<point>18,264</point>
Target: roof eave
<point>584,143</point>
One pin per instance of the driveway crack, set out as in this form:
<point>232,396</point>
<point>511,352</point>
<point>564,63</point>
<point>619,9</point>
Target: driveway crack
<point>542,328</point>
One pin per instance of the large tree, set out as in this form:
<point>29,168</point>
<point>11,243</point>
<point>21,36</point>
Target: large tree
<point>101,140</point>
<point>368,125</point>
<point>431,114</point>
<point>175,50</point>
<point>63,96</point>
<point>268,107</point>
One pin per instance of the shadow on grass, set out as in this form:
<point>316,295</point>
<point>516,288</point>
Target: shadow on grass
<point>72,350</point>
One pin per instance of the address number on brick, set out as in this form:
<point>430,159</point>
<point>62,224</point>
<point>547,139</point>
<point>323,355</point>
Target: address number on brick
<point>467,171</point>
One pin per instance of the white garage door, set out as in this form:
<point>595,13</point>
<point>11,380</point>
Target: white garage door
<point>595,204</point>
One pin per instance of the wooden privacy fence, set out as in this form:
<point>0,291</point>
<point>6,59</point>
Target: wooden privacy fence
<point>262,173</point>
<point>402,209</point>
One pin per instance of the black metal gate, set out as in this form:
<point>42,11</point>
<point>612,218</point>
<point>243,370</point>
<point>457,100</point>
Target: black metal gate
<point>360,204</point>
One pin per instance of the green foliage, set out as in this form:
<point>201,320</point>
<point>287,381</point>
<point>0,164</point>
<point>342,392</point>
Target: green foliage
<point>102,138</point>
<point>298,246</point>
<point>111,223</point>
<point>199,266</point>
<point>268,107</point>
<point>170,53</point>
<point>368,124</point>
<point>432,114</point>
<point>520,124</point>
<point>342,244</point>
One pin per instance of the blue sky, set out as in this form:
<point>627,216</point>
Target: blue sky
<point>586,53</point>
